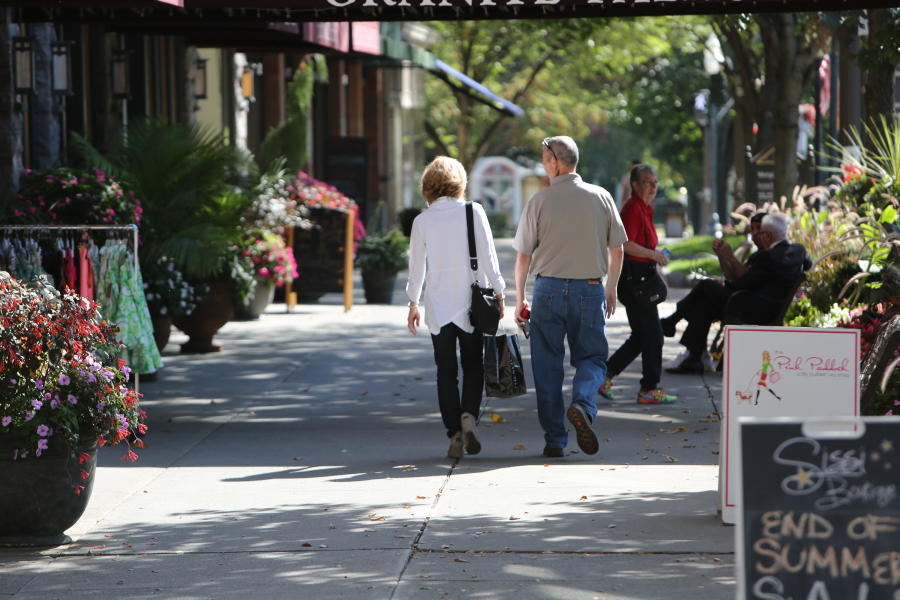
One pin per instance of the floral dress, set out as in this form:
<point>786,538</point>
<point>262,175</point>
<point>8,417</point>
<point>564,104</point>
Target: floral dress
<point>121,298</point>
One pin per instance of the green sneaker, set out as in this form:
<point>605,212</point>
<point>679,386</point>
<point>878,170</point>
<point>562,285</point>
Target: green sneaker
<point>656,396</point>
<point>606,389</point>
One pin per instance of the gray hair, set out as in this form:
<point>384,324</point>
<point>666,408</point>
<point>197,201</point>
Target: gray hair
<point>639,169</point>
<point>565,149</point>
<point>776,224</point>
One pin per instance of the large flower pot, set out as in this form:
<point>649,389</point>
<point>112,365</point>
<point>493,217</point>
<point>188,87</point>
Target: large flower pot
<point>379,286</point>
<point>216,309</point>
<point>42,496</point>
<point>263,294</point>
<point>162,329</point>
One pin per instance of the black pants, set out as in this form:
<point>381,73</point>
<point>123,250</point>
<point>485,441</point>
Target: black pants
<point>471,348</point>
<point>646,336</point>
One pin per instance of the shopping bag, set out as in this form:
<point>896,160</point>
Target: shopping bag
<point>504,374</point>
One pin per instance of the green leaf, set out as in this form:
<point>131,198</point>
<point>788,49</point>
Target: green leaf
<point>888,215</point>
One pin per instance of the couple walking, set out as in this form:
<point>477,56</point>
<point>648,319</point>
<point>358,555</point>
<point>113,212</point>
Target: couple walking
<point>569,237</point>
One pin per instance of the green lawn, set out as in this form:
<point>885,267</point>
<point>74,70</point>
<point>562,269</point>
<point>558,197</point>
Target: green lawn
<point>708,266</point>
<point>701,243</point>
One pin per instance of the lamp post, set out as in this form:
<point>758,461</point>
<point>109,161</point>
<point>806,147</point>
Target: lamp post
<point>708,111</point>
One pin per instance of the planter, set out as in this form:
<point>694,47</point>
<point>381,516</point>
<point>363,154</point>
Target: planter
<point>162,329</point>
<point>379,286</point>
<point>38,501</point>
<point>216,309</point>
<point>262,296</point>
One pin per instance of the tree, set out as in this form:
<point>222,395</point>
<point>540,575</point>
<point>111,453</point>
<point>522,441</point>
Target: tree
<point>621,87</point>
<point>880,57</point>
<point>770,68</point>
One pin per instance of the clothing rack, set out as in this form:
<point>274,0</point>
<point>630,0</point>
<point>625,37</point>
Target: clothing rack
<point>133,229</point>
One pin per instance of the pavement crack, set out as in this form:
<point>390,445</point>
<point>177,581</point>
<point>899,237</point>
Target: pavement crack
<point>414,546</point>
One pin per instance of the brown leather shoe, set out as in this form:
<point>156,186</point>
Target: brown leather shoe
<point>455,450</point>
<point>585,436</point>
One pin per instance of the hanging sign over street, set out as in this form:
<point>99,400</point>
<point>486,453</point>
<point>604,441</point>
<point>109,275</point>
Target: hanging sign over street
<point>782,372</point>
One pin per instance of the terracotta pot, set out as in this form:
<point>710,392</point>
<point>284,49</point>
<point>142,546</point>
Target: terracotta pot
<point>379,286</point>
<point>38,497</point>
<point>162,329</point>
<point>216,309</point>
<point>262,296</point>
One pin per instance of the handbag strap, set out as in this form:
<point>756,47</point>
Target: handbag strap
<point>470,226</point>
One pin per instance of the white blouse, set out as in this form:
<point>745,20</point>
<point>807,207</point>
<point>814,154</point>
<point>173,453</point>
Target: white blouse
<point>439,258</point>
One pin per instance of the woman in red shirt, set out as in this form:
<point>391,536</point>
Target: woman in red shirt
<point>641,258</point>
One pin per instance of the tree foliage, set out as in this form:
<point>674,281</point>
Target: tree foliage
<point>620,87</point>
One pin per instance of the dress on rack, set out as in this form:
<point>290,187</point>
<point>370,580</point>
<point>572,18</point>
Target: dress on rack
<point>120,293</point>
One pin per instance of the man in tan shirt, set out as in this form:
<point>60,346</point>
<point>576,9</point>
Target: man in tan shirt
<point>569,237</point>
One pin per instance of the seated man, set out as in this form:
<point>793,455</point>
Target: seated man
<point>734,263</point>
<point>769,276</point>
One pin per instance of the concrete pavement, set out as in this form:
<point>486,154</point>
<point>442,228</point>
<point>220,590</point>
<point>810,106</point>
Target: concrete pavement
<point>306,460</point>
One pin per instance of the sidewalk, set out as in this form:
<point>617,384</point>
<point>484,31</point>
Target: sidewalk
<point>306,460</point>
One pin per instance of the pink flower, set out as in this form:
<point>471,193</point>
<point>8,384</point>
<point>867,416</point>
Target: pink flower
<point>264,272</point>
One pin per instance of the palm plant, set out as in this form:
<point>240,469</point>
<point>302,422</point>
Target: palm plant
<point>183,175</point>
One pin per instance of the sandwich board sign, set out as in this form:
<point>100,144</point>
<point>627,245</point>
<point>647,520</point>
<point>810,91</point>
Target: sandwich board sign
<point>819,514</point>
<point>782,372</point>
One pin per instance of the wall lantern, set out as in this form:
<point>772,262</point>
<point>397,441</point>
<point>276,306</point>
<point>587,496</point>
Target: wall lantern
<point>61,67</point>
<point>120,74</point>
<point>23,65</point>
<point>200,79</point>
<point>247,83</point>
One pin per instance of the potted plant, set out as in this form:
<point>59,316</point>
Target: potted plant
<point>168,295</point>
<point>273,265</point>
<point>192,213</point>
<point>380,258</point>
<point>65,196</point>
<point>62,394</point>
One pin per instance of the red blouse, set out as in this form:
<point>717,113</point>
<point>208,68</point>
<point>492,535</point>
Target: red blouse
<point>637,217</point>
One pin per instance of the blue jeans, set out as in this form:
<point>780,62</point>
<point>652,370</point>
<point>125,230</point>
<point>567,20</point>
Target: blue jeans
<point>573,309</point>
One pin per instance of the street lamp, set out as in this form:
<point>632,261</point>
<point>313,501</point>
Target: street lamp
<point>712,66</point>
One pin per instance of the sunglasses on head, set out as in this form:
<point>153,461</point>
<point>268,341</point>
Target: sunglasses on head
<point>546,144</point>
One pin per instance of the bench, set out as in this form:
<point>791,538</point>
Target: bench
<point>716,347</point>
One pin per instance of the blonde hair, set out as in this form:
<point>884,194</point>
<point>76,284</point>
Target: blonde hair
<point>444,176</point>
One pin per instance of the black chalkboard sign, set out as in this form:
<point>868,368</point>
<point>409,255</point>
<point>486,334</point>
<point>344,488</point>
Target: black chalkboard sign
<point>820,514</point>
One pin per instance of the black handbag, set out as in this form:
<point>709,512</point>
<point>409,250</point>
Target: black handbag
<point>504,374</point>
<point>648,288</point>
<point>645,284</point>
<point>484,312</point>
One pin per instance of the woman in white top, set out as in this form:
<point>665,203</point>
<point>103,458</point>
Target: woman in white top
<point>439,258</point>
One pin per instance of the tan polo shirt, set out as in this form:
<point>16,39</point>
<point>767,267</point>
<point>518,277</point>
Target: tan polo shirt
<point>567,229</point>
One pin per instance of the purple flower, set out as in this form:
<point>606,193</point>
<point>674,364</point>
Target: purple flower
<point>37,404</point>
<point>44,431</point>
<point>47,395</point>
<point>39,384</point>
<point>29,415</point>
<point>106,374</point>
<point>6,421</point>
<point>72,399</point>
<point>91,378</point>
<point>13,382</point>
<point>64,379</point>
<point>55,402</point>
<point>101,406</point>
<point>126,371</point>
<point>42,445</point>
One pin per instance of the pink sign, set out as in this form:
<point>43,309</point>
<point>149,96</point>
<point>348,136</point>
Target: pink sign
<point>334,35</point>
<point>366,37</point>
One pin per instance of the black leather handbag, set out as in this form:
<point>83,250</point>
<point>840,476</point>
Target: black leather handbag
<point>644,281</point>
<point>484,313</point>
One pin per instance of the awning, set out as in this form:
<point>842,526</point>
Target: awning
<point>463,83</point>
<point>401,10</point>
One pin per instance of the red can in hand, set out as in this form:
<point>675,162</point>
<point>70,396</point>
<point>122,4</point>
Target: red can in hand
<point>525,324</point>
